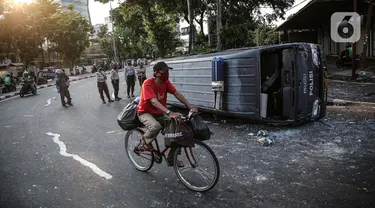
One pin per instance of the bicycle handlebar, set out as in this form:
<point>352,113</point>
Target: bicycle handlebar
<point>187,117</point>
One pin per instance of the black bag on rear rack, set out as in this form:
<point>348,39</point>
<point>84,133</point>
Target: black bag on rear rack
<point>178,135</point>
<point>128,118</point>
<point>200,128</point>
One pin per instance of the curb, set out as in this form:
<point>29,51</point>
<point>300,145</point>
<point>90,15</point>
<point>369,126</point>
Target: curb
<point>351,82</point>
<point>340,102</point>
<point>45,86</point>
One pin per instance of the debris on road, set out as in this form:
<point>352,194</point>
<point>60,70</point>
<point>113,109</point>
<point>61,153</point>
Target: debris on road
<point>264,141</point>
<point>263,138</point>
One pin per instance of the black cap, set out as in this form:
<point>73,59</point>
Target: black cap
<point>161,65</point>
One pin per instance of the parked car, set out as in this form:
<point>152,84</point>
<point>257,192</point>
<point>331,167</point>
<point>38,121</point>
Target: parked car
<point>281,84</point>
<point>42,78</point>
<point>50,72</point>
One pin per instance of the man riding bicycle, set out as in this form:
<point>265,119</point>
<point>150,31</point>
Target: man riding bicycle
<point>152,105</point>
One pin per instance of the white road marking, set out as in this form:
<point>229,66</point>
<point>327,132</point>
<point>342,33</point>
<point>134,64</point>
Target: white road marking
<point>49,101</point>
<point>84,162</point>
<point>110,132</point>
<point>8,99</point>
<point>7,126</point>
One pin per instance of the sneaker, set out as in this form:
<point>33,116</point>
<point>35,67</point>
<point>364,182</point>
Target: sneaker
<point>128,96</point>
<point>70,104</point>
<point>110,101</point>
<point>64,106</point>
<point>104,102</point>
<point>118,99</point>
<point>133,96</point>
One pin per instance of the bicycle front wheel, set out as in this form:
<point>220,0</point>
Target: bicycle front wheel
<point>141,160</point>
<point>200,171</point>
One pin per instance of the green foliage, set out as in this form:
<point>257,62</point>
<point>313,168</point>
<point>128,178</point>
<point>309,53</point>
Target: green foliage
<point>144,23</point>
<point>264,35</point>
<point>105,41</point>
<point>26,27</point>
<point>161,30</point>
<point>71,35</point>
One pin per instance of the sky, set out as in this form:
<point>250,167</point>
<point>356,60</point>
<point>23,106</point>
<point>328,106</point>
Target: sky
<point>99,11</point>
<point>298,4</point>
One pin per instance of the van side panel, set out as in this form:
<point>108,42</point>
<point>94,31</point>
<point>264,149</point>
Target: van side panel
<point>193,80</point>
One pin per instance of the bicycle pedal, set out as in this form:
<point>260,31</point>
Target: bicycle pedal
<point>158,161</point>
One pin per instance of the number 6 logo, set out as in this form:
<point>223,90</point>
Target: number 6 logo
<point>345,27</point>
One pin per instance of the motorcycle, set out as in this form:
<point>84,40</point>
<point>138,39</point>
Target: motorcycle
<point>343,59</point>
<point>28,87</point>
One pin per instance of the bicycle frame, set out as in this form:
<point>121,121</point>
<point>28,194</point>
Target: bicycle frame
<point>191,160</point>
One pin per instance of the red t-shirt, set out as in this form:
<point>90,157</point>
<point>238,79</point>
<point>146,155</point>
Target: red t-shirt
<point>150,89</point>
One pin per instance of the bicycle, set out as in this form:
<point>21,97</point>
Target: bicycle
<point>142,153</point>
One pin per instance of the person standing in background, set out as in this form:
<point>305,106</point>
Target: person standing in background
<point>102,85</point>
<point>62,83</point>
<point>130,79</point>
<point>115,79</point>
<point>141,74</point>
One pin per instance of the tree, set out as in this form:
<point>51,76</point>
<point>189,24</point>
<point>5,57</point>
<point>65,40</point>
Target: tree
<point>105,40</point>
<point>70,35</point>
<point>264,34</point>
<point>21,36</point>
<point>140,24</point>
<point>239,19</point>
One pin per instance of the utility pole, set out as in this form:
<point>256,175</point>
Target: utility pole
<point>218,25</point>
<point>191,32</point>
<point>209,31</point>
<point>365,43</point>
<point>113,34</point>
<point>354,58</point>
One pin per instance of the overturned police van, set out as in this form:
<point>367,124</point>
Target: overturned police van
<point>285,84</point>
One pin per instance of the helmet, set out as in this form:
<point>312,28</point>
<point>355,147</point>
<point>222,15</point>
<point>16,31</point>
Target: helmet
<point>58,71</point>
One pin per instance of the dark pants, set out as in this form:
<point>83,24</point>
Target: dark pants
<point>141,80</point>
<point>130,81</point>
<point>102,86</point>
<point>115,84</point>
<point>64,93</point>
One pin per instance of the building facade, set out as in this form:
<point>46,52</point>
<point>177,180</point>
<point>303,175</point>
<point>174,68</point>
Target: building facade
<point>108,22</point>
<point>312,24</point>
<point>80,6</point>
<point>96,30</point>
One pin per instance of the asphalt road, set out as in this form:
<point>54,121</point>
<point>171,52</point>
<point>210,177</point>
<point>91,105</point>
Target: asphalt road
<point>328,164</point>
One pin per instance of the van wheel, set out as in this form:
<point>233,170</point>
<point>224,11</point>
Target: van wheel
<point>21,93</point>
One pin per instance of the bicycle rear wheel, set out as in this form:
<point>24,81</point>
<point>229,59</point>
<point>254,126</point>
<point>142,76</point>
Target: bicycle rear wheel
<point>141,160</point>
<point>196,170</point>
